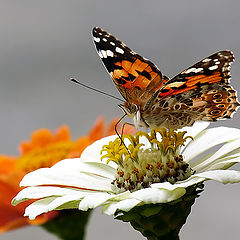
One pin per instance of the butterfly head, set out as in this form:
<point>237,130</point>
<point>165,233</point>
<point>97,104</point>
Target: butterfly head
<point>130,109</point>
<point>133,110</point>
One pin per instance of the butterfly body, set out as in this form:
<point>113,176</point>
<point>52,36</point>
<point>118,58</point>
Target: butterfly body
<point>199,93</point>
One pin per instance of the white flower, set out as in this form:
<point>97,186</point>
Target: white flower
<point>87,182</point>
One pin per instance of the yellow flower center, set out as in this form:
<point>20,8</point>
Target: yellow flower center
<point>142,163</point>
<point>44,156</point>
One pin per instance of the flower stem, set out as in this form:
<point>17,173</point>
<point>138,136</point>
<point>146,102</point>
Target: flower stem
<point>170,236</point>
<point>162,221</point>
<point>69,225</point>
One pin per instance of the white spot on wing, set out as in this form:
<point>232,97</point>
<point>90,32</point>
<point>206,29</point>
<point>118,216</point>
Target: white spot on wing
<point>104,53</point>
<point>175,84</point>
<point>112,43</point>
<point>189,70</point>
<point>109,53</point>
<point>226,68</point>
<point>104,39</point>
<point>213,67</point>
<point>96,39</point>
<point>206,60</point>
<point>198,70</point>
<point>119,50</point>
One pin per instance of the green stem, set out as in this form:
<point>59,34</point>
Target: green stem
<point>68,225</point>
<point>161,221</point>
<point>170,236</point>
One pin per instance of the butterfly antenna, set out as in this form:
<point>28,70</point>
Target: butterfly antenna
<point>120,137</point>
<point>94,89</point>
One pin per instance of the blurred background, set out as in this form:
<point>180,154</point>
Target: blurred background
<point>45,42</point>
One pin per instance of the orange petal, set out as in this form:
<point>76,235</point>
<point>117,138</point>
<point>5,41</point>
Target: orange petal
<point>11,217</point>
<point>63,134</point>
<point>97,130</point>
<point>7,164</point>
<point>9,187</point>
<point>24,147</point>
<point>111,128</point>
<point>80,145</point>
<point>39,138</point>
<point>43,218</point>
<point>42,137</point>
<point>10,222</point>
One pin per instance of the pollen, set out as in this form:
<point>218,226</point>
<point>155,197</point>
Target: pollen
<point>145,159</point>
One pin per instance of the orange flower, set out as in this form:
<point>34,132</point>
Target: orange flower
<point>43,150</point>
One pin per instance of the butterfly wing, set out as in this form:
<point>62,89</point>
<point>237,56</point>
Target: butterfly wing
<point>201,92</point>
<point>213,69</point>
<point>135,77</point>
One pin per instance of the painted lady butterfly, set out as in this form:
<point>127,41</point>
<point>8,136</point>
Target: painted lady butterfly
<point>201,92</point>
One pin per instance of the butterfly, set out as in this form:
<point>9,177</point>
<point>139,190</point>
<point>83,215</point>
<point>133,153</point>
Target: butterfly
<point>199,93</point>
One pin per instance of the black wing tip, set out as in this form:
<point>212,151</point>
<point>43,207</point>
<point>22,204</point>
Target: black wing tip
<point>94,30</point>
<point>97,30</point>
<point>226,51</point>
<point>228,54</point>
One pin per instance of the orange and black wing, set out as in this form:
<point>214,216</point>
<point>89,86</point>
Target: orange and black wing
<point>213,69</point>
<point>202,91</point>
<point>135,77</point>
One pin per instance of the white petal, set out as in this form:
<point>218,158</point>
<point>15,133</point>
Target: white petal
<point>208,139</point>
<point>76,164</point>
<point>124,205</point>
<point>92,152</point>
<point>44,191</point>
<point>155,195</point>
<point>226,149</point>
<point>38,207</point>
<point>120,196</point>
<point>60,202</point>
<point>144,140</point>
<point>226,162</point>
<point>59,176</point>
<point>48,204</point>
<point>193,131</point>
<point>101,169</point>
<point>69,164</point>
<point>197,128</point>
<point>94,201</point>
<point>192,180</point>
<point>126,141</point>
<point>223,176</point>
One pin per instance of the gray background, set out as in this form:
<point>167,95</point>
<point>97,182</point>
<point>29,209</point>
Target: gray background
<point>44,42</point>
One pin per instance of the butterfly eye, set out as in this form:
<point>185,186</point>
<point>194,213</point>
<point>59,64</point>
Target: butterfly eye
<point>133,108</point>
<point>129,109</point>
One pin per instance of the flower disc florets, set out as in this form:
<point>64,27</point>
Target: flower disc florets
<point>147,158</point>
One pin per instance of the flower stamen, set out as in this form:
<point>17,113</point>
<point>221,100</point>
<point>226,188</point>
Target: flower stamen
<point>140,165</point>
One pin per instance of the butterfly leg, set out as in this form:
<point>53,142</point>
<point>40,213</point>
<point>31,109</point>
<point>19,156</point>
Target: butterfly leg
<point>120,136</point>
<point>116,125</point>
<point>123,126</point>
